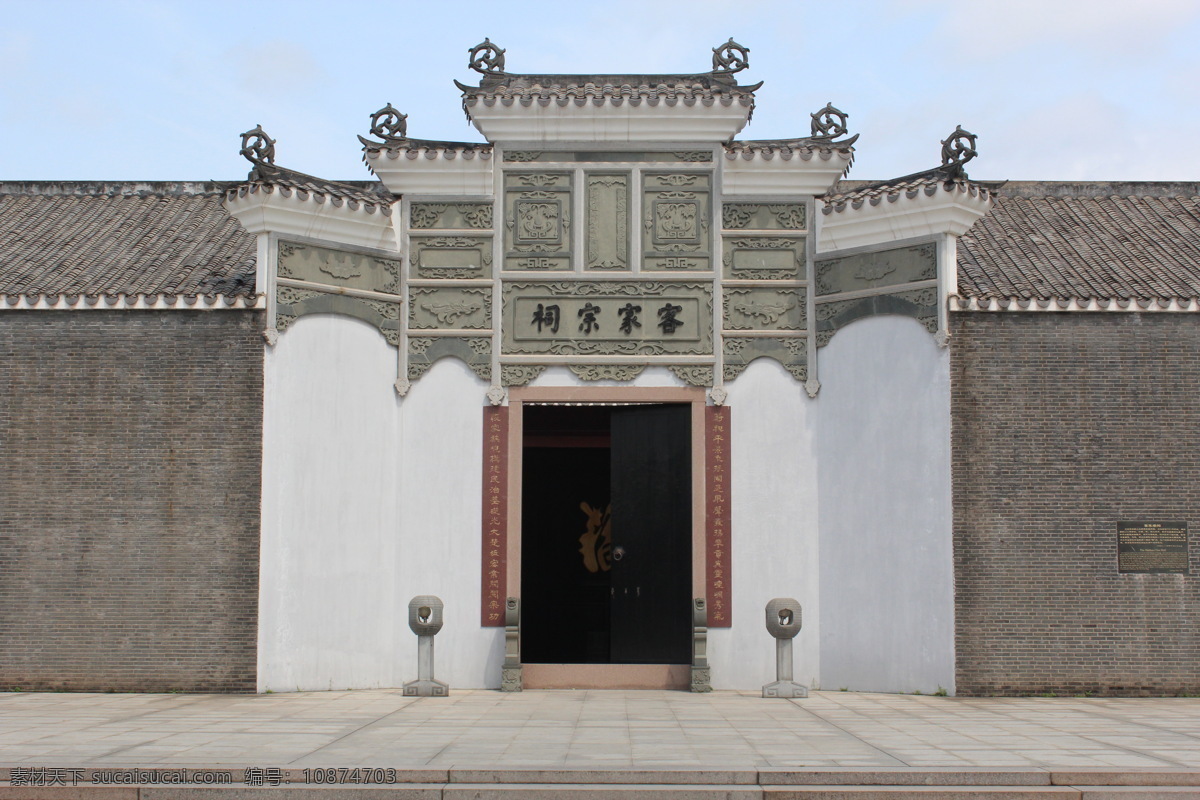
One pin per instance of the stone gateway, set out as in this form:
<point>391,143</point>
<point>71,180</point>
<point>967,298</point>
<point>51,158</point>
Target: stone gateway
<point>603,383</point>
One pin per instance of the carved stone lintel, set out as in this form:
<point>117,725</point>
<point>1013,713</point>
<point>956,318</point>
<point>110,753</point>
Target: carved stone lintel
<point>271,337</point>
<point>496,395</point>
<point>718,395</point>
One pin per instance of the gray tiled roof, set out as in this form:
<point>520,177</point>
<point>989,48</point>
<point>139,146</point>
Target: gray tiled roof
<point>371,195</point>
<point>1085,240</point>
<point>1041,240</point>
<point>114,238</point>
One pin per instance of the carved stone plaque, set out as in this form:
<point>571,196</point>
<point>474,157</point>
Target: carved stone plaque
<point>764,309</point>
<point>537,221</point>
<point>582,317</point>
<point>676,208</point>
<point>607,221</point>
<point>450,308</point>
<point>876,270</point>
<point>764,258</point>
<point>307,262</point>
<point>451,256</point>
<point>1152,547</point>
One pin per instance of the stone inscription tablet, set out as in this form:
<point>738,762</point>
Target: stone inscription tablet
<point>1152,547</point>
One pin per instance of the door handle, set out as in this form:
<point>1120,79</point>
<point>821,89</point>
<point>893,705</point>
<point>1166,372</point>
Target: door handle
<point>618,553</point>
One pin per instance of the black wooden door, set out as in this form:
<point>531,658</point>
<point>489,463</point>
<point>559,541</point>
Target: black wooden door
<point>651,481</point>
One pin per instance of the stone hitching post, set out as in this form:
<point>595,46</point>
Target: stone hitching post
<point>425,619</point>
<point>783,622</point>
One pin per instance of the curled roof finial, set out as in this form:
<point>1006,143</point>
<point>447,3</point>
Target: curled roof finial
<point>958,148</point>
<point>389,124</point>
<point>258,148</point>
<point>829,123</point>
<point>730,57</point>
<point>487,58</point>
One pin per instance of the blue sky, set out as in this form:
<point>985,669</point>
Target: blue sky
<point>158,90</point>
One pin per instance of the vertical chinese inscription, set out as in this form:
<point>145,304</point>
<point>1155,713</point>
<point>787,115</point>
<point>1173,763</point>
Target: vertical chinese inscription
<point>716,424</point>
<point>495,515</point>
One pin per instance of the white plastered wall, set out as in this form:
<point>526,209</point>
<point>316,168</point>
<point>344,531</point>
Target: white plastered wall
<point>887,571</point>
<point>366,503</point>
<point>774,548</point>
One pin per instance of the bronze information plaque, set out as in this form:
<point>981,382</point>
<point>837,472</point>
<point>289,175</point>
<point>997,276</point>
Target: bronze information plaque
<point>1152,547</point>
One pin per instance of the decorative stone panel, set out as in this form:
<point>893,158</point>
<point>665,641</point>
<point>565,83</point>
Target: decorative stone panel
<point>450,216</point>
<point>791,352</point>
<point>764,216</point>
<point>450,256</point>
<point>610,318</point>
<point>607,372</point>
<point>607,221</point>
<point>450,308</point>
<point>876,270</point>
<point>291,303</point>
<point>676,208</point>
<point>764,309</point>
<point>764,258</point>
<point>537,221</point>
<point>344,268</point>
<point>475,352</point>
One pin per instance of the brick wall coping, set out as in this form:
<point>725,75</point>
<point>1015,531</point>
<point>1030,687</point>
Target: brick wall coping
<point>122,302</point>
<point>958,303</point>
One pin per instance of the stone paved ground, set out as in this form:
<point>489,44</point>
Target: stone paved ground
<point>595,730</point>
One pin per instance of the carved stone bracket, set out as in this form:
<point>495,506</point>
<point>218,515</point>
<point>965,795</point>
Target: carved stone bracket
<point>519,374</point>
<point>475,352</point>
<point>790,352</point>
<point>291,303</point>
<point>920,304</point>
<point>693,375</point>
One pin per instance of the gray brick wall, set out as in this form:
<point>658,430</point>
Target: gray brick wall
<point>1065,424</point>
<point>129,499</point>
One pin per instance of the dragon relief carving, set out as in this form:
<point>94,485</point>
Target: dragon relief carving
<point>339,267</point>
<point>767,313</point>
<point>449,313</point>
<point>873,273</point>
